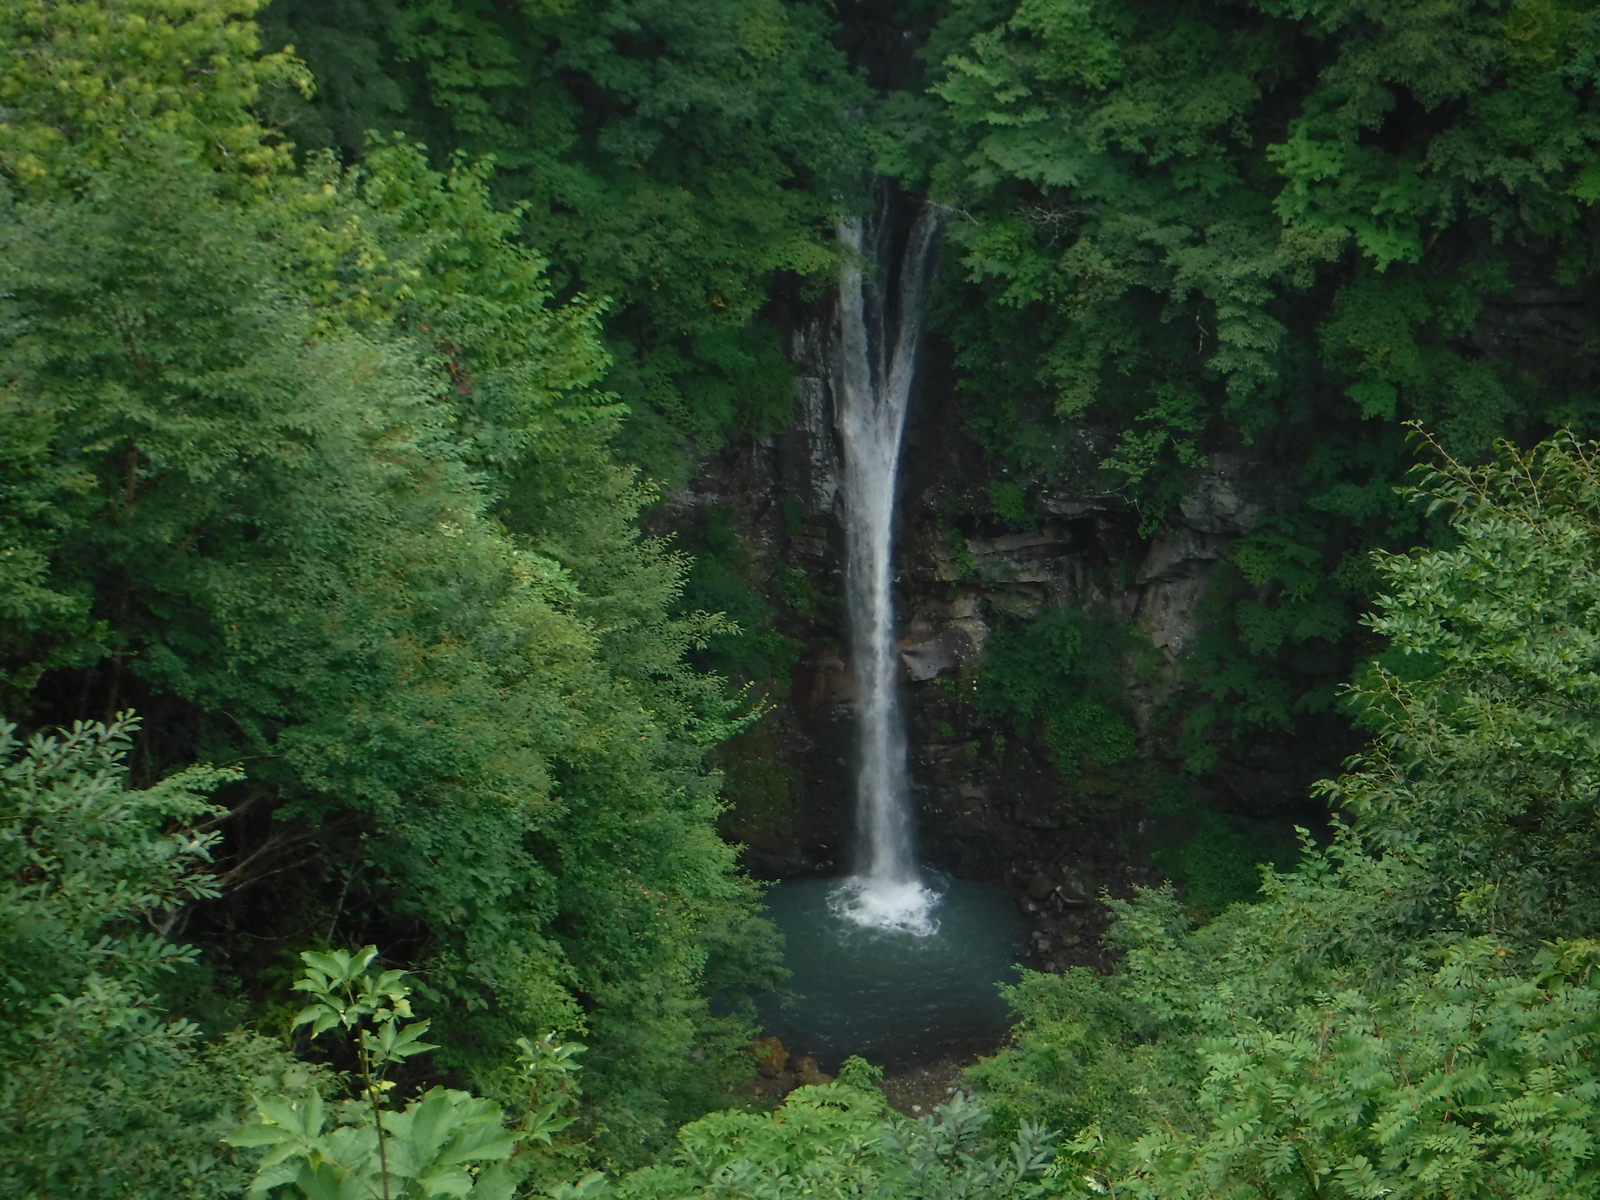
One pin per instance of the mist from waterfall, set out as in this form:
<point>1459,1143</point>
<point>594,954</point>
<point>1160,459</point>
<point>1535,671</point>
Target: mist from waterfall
<point>880,324</point>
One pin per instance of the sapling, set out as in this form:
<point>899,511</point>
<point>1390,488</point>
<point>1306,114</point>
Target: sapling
<point>443,1143</point>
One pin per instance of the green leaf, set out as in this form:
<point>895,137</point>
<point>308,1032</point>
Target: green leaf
<point>495,1183</point>
<point>258,1133</point>
<point>302,1117</point>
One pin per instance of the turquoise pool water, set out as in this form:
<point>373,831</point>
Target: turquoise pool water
<point>895,998</point>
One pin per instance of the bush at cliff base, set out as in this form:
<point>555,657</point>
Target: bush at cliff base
<point>1416,1011</point>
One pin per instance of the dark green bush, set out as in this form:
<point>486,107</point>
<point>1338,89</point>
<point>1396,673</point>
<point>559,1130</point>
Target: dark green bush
<point>1059,673</point>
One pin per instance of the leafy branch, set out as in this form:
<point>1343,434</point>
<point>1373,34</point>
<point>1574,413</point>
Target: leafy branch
<point>443,1143</point>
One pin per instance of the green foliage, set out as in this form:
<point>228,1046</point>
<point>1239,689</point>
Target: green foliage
<point>1214,857</point>
<point>959,553</point>
<point>1485,754</point>
<point>310,459</point>
<point>1218,860</point>
<point>1317,1082</point>
<point>1060,669</point>
<point>83,855</point>
<point>750,648</point>
<point>316,471</point>
<point>675,157</point>
<point>858,1073</point>
<point>82,79</point>
<point>442,1143</point>
<point>1409,1014</point>
<point>1207,226</point>
<point>366,1006</point>
<point>1010,503</point>
<point>1073,1055</point>
<point>797,590</point>
<point>756,784</point>
<point>1473,1037</point>
<point>840,1140</point>
<point>833,1140</point>
<point>429,1149</point>
<point>102,1093</point>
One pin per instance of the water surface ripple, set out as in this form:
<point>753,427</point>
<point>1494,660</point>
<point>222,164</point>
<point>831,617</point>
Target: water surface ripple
<point>896,999</point>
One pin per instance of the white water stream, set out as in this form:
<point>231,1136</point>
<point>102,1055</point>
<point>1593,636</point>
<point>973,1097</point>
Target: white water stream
<point>880,325</point>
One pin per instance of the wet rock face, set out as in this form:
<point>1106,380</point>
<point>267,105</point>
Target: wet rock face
<point>991,805</point>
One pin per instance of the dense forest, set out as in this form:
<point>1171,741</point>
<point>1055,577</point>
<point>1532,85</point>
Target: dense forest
<point>381,741</point>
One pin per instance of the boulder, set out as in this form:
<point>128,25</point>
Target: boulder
<point>771,1057</point>
<point>942,654</point>
<point>807,1073</point>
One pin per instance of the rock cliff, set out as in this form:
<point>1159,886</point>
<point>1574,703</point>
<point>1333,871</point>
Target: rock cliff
<point>993,802</point>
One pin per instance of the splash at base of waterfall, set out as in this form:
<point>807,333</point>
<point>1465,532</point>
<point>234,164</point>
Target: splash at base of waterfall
<point>898,1001</point>
<point>895,907</point>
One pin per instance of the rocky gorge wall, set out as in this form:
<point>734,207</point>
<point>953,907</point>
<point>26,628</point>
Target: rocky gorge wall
<point>994,800</point>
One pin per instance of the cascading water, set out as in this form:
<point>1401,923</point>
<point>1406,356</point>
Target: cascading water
<point>880,326</point>
<point>873,980</point>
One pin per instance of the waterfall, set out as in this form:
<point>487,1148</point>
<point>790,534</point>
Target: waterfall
<point>879,329</point>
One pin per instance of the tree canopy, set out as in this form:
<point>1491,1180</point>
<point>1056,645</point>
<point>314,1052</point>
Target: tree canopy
<point>344,345</point>
<point>309,466</point>
<point>1280,226</point>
